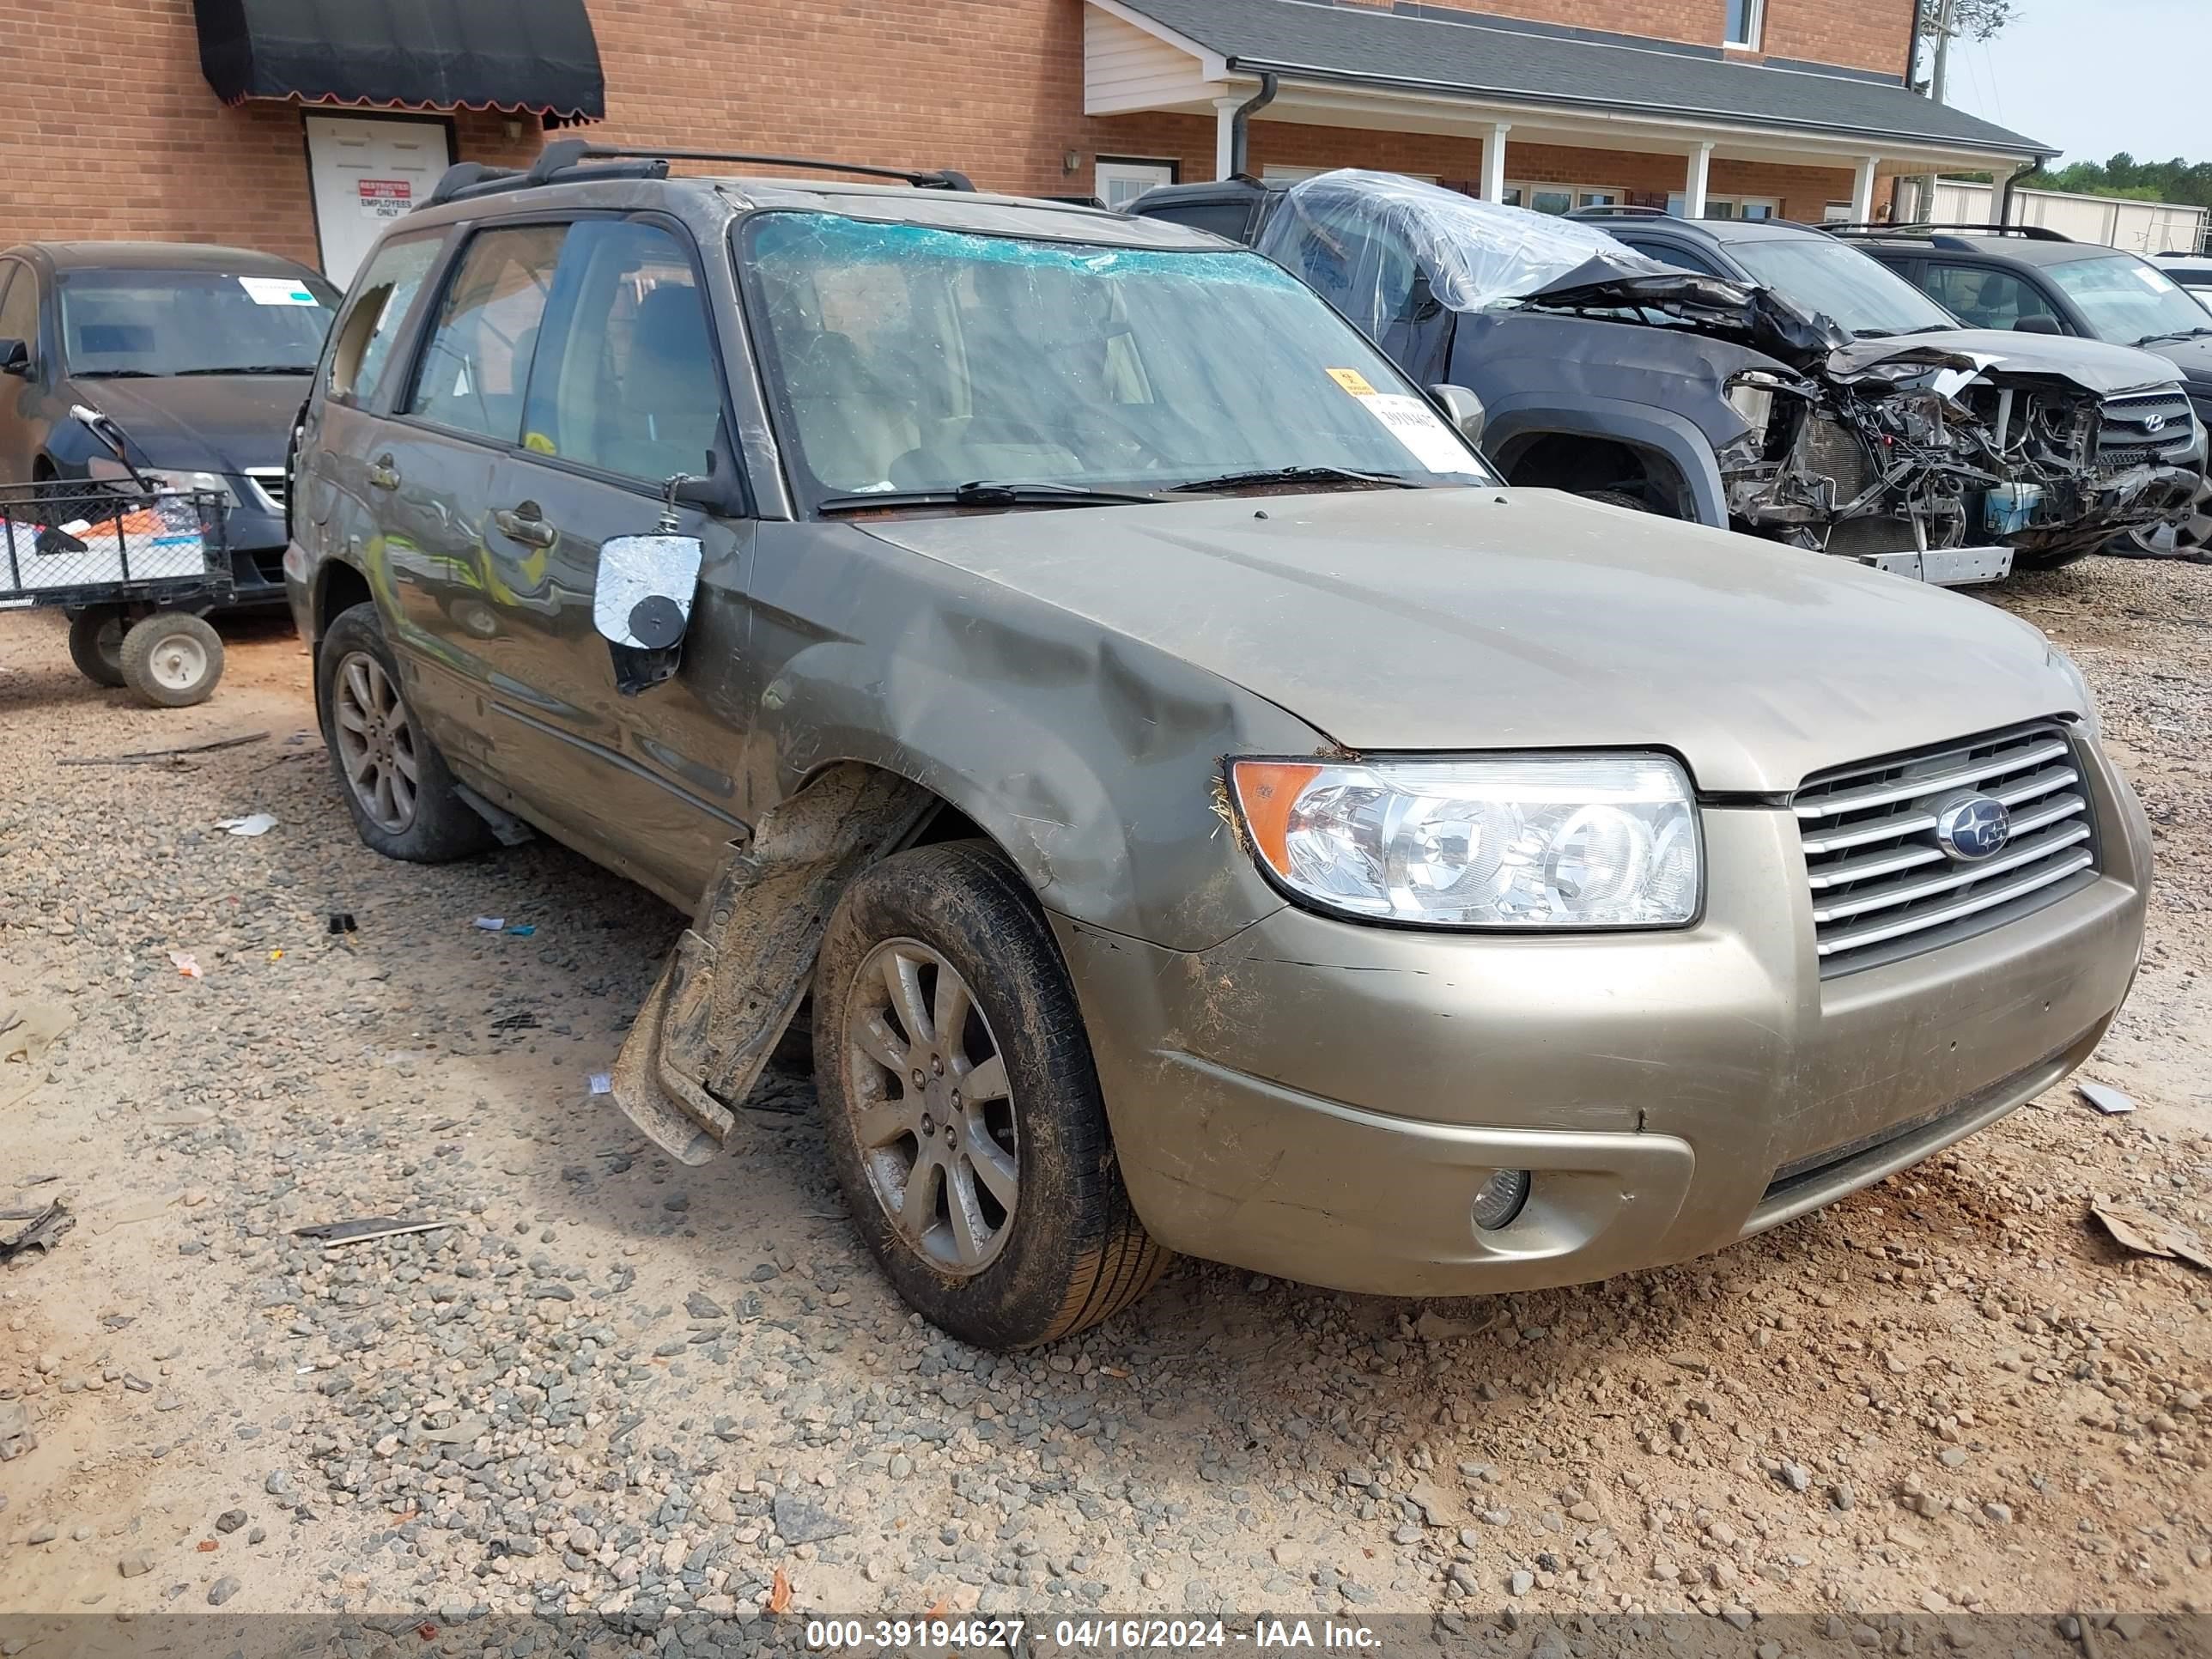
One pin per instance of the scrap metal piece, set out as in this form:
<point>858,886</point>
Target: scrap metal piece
<point>333,1234</point>
<point>740,970</point>
<point>45,1227</point>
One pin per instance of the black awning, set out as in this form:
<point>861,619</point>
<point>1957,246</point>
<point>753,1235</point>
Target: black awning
<point>537,55</point>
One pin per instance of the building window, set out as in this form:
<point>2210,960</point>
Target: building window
<point>1743,20</point>
<point>1728,207</point>
<point>1561,198</point>
<point>1120,180</point>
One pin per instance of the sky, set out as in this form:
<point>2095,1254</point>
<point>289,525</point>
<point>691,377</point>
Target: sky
<point>2094,76</point>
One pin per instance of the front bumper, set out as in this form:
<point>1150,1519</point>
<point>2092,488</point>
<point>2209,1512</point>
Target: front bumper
<point>1321,1100</point>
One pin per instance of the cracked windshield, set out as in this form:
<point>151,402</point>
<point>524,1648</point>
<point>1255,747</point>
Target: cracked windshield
<point>908,359</point>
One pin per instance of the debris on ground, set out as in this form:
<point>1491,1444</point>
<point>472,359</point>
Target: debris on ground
<point>342,921</point>
<point>253,823</point>
<point>158,756</point>
<point>490,924</point>
<point>2137,1229</point>
<point>28,1030</point>
<point>187,964</point>
<point>2110,1102</point>
<point>1433,1326</point>
<point>335,1233</point>
<point>44,1228</point>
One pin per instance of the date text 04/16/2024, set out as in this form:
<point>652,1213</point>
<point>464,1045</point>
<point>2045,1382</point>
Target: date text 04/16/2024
<point>1088,1635</point>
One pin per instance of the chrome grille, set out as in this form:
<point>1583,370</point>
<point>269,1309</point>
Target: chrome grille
<point>2143,428</point>
<point>269,481</point>
<point>1882,885</point>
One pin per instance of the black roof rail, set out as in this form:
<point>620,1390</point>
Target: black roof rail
<point>1620,209</point>
<point>564,159</point>
<point>1927,228</point>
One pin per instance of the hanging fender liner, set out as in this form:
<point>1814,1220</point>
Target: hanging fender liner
<point>741,969</point>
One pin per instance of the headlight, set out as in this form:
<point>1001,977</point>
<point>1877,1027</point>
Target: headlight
<point>1518,841</point>
<point>2072,670</point>
<point>106,466</point>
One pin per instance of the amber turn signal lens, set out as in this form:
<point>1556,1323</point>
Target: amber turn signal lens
<point>1266,792</point>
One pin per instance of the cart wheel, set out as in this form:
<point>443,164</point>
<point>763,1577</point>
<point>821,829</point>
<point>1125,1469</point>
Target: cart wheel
<point>96,644</point>
<point>173,659</point>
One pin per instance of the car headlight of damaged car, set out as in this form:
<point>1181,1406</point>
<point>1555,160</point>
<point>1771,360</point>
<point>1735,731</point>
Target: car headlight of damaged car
<point>1533,841</point>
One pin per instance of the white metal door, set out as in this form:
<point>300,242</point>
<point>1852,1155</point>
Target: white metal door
<point>1121,183</point>
<point>366,173</point>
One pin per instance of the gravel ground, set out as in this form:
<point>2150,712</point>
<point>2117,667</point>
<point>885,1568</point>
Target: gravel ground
<point>610,1383</point>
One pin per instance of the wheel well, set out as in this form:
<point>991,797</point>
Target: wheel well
<point>1566,460</point>
<point>343,588</point>
<point>43,471</point>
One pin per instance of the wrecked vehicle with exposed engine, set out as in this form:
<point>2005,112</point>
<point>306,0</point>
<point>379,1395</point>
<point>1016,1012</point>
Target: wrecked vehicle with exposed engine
<point>1894,435</point>
<point>1075,685</point>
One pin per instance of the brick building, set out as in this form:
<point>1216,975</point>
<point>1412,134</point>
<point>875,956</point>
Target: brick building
<point>332,117</point>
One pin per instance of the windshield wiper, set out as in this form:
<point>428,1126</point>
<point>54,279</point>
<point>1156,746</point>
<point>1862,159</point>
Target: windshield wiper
<point>1301,475</point>
<point>114,374</point>
<point>252,369</point>
<point>1899,333</point>
<point>2178,334</point>
<point>984,492</point>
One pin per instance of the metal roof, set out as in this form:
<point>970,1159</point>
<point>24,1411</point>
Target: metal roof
<point>1483,57</point>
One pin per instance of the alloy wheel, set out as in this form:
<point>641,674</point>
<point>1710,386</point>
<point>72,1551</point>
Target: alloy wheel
<point>933,1106</point>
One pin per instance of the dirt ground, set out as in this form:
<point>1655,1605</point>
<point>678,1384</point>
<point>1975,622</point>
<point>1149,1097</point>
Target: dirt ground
<point>608,1383</point>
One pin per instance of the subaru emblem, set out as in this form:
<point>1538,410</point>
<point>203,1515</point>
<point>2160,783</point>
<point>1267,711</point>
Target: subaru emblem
<point>1973,829</point>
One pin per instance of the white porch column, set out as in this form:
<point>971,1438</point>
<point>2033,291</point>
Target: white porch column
<point>1693,189</point>
<point>1863,191</point>
<point>1225,132</point>
<point>1494,161</point>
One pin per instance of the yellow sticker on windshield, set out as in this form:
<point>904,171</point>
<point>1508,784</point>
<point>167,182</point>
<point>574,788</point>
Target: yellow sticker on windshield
<point>1353,381</point>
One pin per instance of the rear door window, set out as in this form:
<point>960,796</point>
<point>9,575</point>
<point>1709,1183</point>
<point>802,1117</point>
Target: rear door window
<point>1230,219</point>
<point>381,301</point>
<point>475,367</point>
<point>628,379</point>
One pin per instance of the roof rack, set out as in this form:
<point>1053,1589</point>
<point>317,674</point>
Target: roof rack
<point>1926,228</point>
<point>564,159</point>
<point>1617,210</point>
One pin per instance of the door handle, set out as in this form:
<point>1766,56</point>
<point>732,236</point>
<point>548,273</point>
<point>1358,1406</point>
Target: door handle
<point>383,474</point>
<point>524,523</point>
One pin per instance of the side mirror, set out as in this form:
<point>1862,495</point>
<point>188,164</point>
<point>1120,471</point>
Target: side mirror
<point>641,605</point>
<point>2038,324</point>
<point>1464,407</point>
<point>14,356</point>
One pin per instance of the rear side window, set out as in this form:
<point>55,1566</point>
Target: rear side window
<point>380,303</point>
<point>627,379</point>
<point>1671,253</point>
<point>476,365</point>
<point>1230,219</point>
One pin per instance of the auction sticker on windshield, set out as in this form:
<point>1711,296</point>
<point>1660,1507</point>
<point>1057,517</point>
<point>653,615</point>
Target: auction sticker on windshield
<point>275,291</point>
<point>1411,422</point>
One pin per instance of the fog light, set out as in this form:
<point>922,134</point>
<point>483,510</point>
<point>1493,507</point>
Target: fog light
<point>1500,1199</point>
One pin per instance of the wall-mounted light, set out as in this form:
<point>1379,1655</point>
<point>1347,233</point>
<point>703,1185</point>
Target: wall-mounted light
<point>1070,160</point>
<point>511,126</point>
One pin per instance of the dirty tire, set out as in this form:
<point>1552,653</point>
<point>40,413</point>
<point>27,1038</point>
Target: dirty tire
<point>1617,498</point>
<point>171,659</point>
<point>96,645</point>
<point>1076,1253</point>
<point>438,826</point>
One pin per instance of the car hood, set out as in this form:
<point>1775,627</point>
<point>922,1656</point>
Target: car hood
<point>2193,358</point>
<point>2093,365</point>
<point>201,423</point>
<point>1454,619</point>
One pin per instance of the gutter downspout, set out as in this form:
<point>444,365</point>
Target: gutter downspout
<point>2012,180</point>
<point>1239,135</point>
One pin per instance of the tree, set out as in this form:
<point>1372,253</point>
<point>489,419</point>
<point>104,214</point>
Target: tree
<point>1979,20</point>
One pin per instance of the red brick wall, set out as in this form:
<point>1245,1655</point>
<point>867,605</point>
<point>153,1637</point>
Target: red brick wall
<point>992,86</point>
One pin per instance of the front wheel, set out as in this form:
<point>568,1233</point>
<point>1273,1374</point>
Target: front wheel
<point>172,658</point>
<point>962,1107</point>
